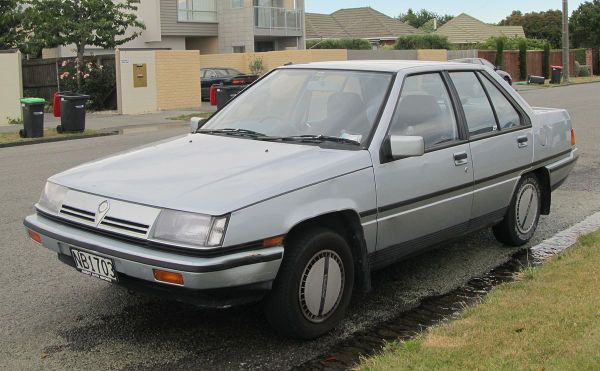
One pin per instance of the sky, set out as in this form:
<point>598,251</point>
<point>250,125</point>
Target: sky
<point>491,11</point>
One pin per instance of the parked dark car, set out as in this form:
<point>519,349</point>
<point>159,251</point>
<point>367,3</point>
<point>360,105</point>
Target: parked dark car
<point>505,75</point>
<point>222,75</point>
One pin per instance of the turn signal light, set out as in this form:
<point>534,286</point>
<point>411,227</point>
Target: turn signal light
<point>273,241</point>
<point>168,277</point>
<point>35,236</point>
<point>572,137</point>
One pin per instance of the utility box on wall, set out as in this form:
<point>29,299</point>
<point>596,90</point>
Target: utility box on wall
<point>140,76</point>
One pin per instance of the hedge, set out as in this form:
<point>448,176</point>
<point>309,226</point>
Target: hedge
<point>347,43</point>
<point>429,41</point>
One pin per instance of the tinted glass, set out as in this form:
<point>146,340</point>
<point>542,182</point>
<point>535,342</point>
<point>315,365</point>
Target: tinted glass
<point>425,109</point>
<point>292,102</point>
<point>478,111</point>
<point>508,117</point>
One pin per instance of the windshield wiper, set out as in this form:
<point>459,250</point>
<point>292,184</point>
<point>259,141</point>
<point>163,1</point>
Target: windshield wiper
<point>229,131</point>
<point>319,139</point>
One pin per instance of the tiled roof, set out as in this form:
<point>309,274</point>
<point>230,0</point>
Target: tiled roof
<point>363,23</point>
<point>465,29</point>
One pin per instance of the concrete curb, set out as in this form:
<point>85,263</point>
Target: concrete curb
<point>566,238</point>
<point>57,139</point>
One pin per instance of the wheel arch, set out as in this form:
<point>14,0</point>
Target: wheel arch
<point>347,223</point>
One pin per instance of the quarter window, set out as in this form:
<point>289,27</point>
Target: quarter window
<point>508,117</point>
<point>476,105</point>
<point>425,109</point>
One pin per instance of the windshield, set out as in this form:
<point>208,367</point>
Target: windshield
<point>303,102</point>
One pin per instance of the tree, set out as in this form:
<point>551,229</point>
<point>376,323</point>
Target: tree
<point>345,43</point>
<point>101,23</point>
<point>422,17</point>
<point>585,24</point>
<point>538,25</point>
<point>11,16</point>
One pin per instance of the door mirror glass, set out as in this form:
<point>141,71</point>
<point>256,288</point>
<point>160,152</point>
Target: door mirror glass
<point>405,146</point>
<point>196,123</point>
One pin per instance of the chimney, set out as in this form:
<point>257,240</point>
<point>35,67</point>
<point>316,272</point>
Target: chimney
<point>435,24</point>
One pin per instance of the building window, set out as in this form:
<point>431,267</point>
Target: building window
<point>239,49</point>
<point>197,10</point>
<point>237,3</point>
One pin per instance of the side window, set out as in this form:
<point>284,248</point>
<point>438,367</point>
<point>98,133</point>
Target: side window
<point>476,105</point>
<point>508,117</point>
<point>425,109</point>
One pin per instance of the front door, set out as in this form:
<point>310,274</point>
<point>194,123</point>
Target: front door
<point>424,200</point>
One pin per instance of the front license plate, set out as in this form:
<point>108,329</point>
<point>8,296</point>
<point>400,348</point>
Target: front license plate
<point>94,265</point>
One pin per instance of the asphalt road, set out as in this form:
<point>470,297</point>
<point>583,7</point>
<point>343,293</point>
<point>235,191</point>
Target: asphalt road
<point>52,317</point>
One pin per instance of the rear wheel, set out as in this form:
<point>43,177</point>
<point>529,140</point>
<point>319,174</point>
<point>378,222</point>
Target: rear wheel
<point>508,80</point>
<point>523,214</point>
<point>314,285</point>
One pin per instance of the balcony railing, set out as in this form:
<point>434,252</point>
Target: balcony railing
<point>277,18</point>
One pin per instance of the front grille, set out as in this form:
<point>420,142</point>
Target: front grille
<point>125,225</point>
<point>76,213</point>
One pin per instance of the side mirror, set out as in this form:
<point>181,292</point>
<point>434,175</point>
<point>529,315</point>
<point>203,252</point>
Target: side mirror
<point>404,146</point>
<point>196,123</point>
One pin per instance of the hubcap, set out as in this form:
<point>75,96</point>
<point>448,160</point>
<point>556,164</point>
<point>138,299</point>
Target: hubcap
<point>527,208</point>
<point>321,286</point>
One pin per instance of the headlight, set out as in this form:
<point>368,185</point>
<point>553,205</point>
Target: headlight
<point>190,229</point>
<point>52,197</point>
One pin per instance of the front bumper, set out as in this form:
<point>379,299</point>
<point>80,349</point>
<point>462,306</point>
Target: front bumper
<point>238,269</point>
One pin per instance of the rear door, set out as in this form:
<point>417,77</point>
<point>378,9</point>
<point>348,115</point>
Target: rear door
<point>501,142</point>
<point>423,200</point>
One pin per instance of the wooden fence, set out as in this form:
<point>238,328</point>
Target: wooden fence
<point>40,75</point>
<point>535,60</point>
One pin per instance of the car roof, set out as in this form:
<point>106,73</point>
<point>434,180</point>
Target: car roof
<point>378,65</point>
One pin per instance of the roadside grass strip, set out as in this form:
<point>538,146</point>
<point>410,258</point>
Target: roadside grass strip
<point>548,318</point>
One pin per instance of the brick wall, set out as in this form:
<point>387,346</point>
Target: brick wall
<point>272,60</point>
<point>535,60</point>
<point>177,79</point>
<point>440,55</point>
<point>589,60</point>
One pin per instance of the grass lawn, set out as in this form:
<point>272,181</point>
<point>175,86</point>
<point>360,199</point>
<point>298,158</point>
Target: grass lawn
<point>548,319</point>
<point>188,117</point>
<point>6,138</point>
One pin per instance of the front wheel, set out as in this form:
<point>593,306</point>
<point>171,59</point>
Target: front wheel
<point>314,285</point>
<point>523,214</point>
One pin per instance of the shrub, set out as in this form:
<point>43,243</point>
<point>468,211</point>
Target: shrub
<point>346,43</point>
<point>500,52</point>
<point>98,81</point>
<point>581,70</point>
<point>546,61</point>
<point>429,41</point>
<point>257,66</point>
<point>523,59</point>
<point>512,43</point>
<point>580,56</point>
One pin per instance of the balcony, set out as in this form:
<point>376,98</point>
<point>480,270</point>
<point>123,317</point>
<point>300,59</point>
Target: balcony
<point>271,21</point>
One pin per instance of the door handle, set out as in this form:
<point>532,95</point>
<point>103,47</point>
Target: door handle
<point>461,158</point>
<point>522,142</point>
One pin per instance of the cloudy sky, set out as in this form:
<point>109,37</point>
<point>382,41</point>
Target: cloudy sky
<point>486,10</point>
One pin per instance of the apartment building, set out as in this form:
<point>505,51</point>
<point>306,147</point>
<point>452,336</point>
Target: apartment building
<point>213,26</point>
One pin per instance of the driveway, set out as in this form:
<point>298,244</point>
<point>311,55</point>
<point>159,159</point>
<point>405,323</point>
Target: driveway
<point>52,317</point>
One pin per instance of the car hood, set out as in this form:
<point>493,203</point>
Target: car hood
<point>211,174</point>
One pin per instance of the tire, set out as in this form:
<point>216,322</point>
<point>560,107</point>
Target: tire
<point>523,215</point>
<point>22,133</point>
<point>508,80</point>
<point>290,307</point>
<point>59,129</point>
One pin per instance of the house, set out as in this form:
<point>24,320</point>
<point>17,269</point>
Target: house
<point>465,29</point>
<point>213,26</point>
<point>361,23</point>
